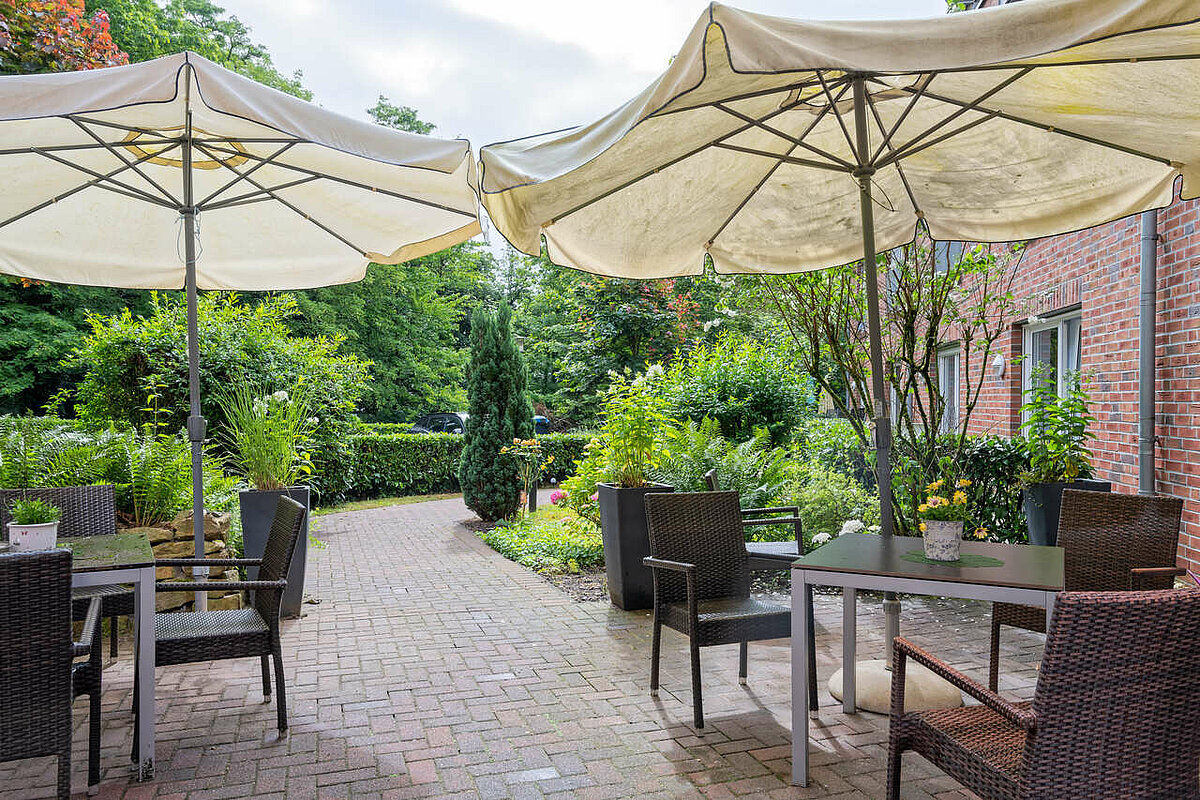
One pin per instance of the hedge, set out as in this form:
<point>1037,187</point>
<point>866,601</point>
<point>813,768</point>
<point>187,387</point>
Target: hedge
<point>375,464</point>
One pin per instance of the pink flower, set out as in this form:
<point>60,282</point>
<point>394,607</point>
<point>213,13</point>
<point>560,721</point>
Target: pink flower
<point>596,497</point>
<point>557,496</point>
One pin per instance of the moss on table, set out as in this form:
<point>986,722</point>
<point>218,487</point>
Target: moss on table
<point>109,551</point>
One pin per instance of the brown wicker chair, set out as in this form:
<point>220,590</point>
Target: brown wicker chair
<point>37,672</point>
<point>1115,714</point>
<point>186,637</point>
<point>778,515</point>
<point>1112,542</point>
<point>86,511</point>
<point>701,580</point>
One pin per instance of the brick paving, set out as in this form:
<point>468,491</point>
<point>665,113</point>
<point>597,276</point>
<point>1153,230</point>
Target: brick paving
<point>432,667</point>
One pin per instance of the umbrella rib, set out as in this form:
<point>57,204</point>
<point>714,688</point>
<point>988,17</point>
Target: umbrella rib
<point>795,142</point>
<point>912,198</point>
<point>240,178</point>
<point>101,177</point>
<point>116,154</point>
<point>733,98</point>
<point>838,115</point>
<point>58,148</point>
<point>783,158</point>
<point>63,196</point>
<point>257,196</point>
<point>914,98</point>
<point>307,217</point>
<point>345,181</point>
<point>774,167</point>
<point>1054,129</point>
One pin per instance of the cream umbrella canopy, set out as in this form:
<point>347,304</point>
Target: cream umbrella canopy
<point>774,145</point>
<point>109,177</point>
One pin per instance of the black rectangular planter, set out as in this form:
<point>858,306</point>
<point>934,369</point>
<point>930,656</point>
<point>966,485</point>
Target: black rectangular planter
<point>258,511</point>
<point>1043,502</point>
<point>626,543</point>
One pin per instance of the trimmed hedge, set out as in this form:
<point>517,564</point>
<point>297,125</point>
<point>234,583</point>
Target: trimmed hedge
<point>377,464</point>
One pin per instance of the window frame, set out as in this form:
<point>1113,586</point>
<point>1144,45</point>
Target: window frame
<point>950,352</point>
<point>1059,321</point>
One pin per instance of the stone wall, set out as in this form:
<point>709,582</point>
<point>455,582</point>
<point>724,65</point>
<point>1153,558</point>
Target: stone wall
<point>174,540</point>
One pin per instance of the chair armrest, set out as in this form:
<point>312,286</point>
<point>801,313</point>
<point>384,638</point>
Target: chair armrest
<point>208,562</point>
<point>793,510</point>
<point>216,586</point>
<point>1021,717</point>
<point>84,646</point>
<point>662,563</point>
<point>771,521</point>
<point>1138,575</point>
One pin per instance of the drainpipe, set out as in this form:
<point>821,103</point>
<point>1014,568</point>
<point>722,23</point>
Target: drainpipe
<point>1146,331</point>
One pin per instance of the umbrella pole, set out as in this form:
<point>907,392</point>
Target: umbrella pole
<point>880,404</point>
<point>195,424</point>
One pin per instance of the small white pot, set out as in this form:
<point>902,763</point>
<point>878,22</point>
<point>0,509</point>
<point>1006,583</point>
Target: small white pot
<point>23,538</point>
<point>942,539</point>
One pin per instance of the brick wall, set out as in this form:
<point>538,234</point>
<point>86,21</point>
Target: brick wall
<point>1097,270</point>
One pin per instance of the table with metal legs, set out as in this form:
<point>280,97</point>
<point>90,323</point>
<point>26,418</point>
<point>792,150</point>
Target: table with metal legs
<point>1023,574</point>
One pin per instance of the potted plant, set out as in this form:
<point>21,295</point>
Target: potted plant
<point>1056,433</point>
<point>943,514</point>
<point>265,435</point>
<point>528,453</point>
<point>632,437</point>
<point>33,525</point>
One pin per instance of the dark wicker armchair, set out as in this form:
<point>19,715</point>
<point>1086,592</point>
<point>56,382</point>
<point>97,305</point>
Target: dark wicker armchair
<point>1115,714</point>
<point>778,515</point>
<point>38,676</point>
<point>86,511</point>
<point>701,581</point>
<point>1112,542</point>
<point>186,637</point>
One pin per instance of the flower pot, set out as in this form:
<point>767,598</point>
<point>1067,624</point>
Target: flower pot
<point>626,543</point>
<point>258,512</point>
<point>1043,502</point>
<point>942,539</point>
<point>42,536</point>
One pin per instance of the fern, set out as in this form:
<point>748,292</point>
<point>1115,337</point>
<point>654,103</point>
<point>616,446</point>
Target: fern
<point>158,468</point>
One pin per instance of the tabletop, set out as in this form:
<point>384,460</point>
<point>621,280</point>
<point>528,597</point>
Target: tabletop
<point>109,551</point>
<point>1020,565</point>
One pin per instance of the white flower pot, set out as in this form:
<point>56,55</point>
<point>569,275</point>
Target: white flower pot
<point>24,538</point>
<point>942,539</point>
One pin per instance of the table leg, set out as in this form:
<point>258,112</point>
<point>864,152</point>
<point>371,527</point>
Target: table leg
<point>144,649</point>
<point>801,608</point>
<point>1050,598</point>
<point>849,647</point>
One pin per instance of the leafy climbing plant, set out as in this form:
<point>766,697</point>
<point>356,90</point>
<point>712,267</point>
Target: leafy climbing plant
<point>1057,428</point>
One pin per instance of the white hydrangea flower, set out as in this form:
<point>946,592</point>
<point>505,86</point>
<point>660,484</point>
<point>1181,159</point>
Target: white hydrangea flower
<point>852,526</point>
<point>654,371</point>
<point>821,538</point>
<point>281,396</point>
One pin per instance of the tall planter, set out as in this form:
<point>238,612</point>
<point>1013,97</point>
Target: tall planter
<point>626,543</point>
<point>258,512</point>
<point>1043,503</point>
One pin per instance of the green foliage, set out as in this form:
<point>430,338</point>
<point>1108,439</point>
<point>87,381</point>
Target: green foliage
<point>500,411</point>
<point>548,543</point>
<point>402,118</point>
<point>741,384</point>
<point>145,29</point>
<point>265,434</point>
<point>153,475</point>
<point>636,428</point>
<point>990,462</point>
<point>54,36</point>
<point>33,512</point>
<point>828,498</point>
<point>754,469</point>
<point>1056,428</point>
<point>833,443</point>
<point>40,451</point>
<point>945,498</point>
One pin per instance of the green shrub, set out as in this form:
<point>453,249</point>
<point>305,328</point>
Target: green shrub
<point>565,544</point>
<point>832,443</point>
<point>47,451</point>
<point>828,498</point>
<point>992,464</point>
<point>742,384</point>
<point>754,469</point>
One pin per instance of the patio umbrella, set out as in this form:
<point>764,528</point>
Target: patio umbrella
<point>177,173</point>
<point>774,145</point>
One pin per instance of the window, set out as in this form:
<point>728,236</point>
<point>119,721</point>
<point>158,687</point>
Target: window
<point>946,254</point>
<point>1058,344</point>
<point>948,387</point>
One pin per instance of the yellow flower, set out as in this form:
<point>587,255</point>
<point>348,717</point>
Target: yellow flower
<point>960,498</point>
<point>963,483</point>
<point>933,487</point>
<point>550,460</point>
<point>981,533</point>
<point>923,508</point>
<point>922,527</point>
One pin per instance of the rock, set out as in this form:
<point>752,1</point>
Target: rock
<point>186,549</point>
<point>166,573</point>
<point>216,525</point>
<point>169,601</point>
<point>873,688</point>
<point>226,603</point>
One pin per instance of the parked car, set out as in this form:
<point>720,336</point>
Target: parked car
<point>456,422</point>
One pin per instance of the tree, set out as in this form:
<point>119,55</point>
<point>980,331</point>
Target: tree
<point>54,36</point>
<point>402,118</point>
<point>499,412</point>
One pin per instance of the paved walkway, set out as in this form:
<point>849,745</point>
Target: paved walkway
<point>432,667</point>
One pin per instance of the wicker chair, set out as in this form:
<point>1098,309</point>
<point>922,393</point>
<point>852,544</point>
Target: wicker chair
<point>701,581</point>
<point>1114,716</point>
<point>186,637</point>
<point>86,511</point>
<point>1112,542</point>
<point>779,515</point>
<point>37,669</point>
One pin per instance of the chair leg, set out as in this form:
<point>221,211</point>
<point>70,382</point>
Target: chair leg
<point>994,659</point>
<point>266,677</point>
<point>655,646</point>
<point>94,741</point>
<point>743,654</point>
<point>64,772</point>
<point>697,700</point>
<point>112,637</point>
<point>893,772</point>
<point>812,652</point>
<point>280,692</point>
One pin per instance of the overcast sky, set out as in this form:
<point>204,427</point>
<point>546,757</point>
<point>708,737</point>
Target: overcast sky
<point>490,70</point>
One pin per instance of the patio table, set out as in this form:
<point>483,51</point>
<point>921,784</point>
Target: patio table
<point>1025,574</point>
<point>126,558</point>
